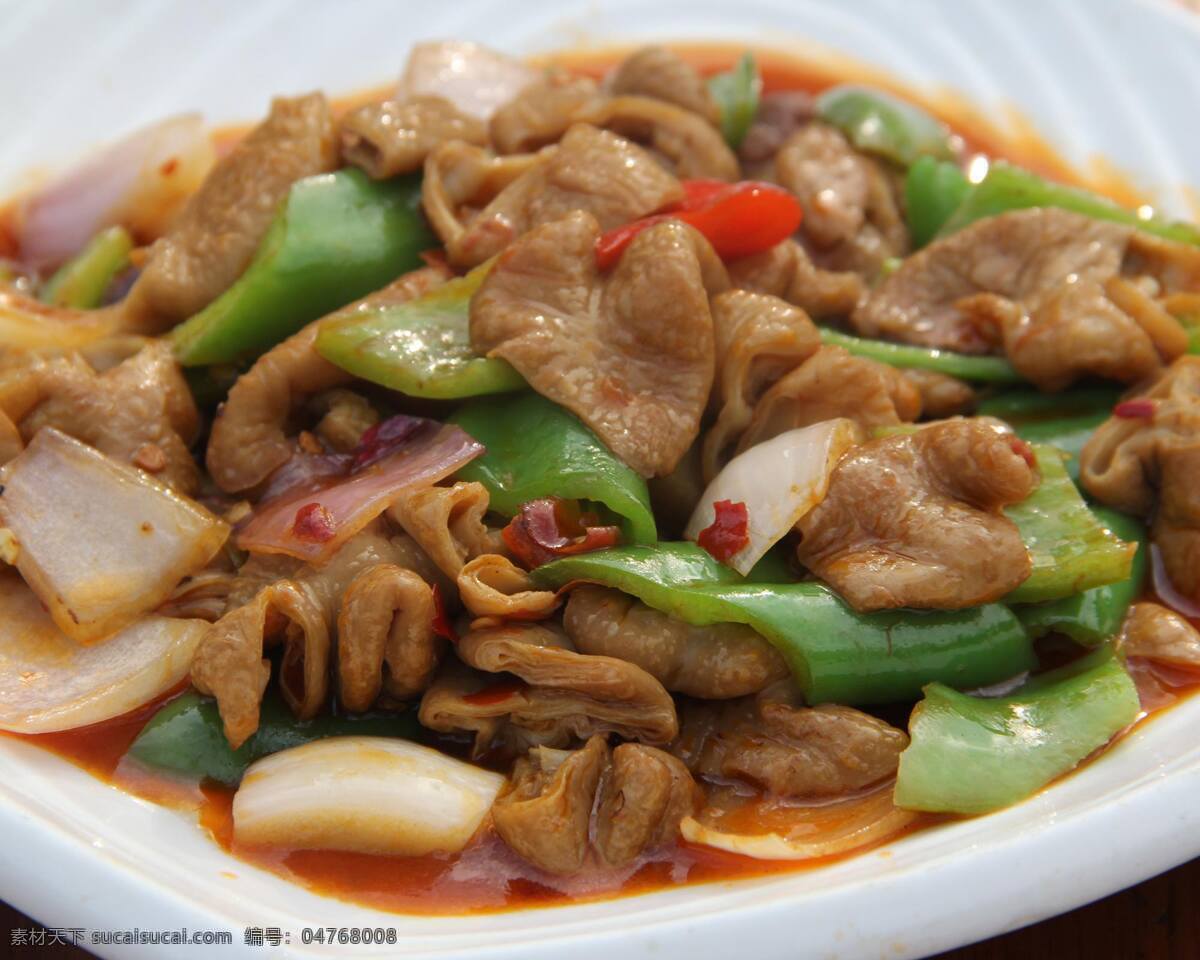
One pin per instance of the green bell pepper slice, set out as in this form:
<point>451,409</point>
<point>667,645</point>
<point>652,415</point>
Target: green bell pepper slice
<point>1093,616</point>
<point>736,93</point>
<point>421,348</point>
<point>979,369</point>
<point>337,237</point>
<point>972,755</point>
<point>1007,187</point>
<point>876,121</point>
<point>933,190</point>
<point>537,449</point>
<point>82,280</point>
<point>836,654</point>
<point>185,737</point>
<point>1070,548</point>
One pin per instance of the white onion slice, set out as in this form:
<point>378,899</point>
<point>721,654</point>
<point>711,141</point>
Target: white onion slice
<point>48,682</point>
<point>100,543</point>
<point>779,481</point>
<point>363,794</point>
<point>472,77</point>
<point>824,831</point>
<point>140,182</point>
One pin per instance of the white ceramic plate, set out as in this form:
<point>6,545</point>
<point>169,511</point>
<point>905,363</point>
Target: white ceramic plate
<point>1116,78</point>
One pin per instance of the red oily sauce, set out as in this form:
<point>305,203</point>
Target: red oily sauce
<point>486,876</point>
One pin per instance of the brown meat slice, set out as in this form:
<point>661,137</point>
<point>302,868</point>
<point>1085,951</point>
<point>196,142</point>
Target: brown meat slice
<point>661,74</point>
<point>802,752</point>
<point>395,136</point>
<point>385,637</point>
<point>249,438</point>
<point>715,662</point>
<point>447,522</point>
<point>833,383</point>
<point>546,812</point>
<point>345,417</point>
<point>491,585</point>
<point>851,217</point>
<point>758,339</point>
<point>219,229</point>
<point>590,170</point>
<point>562,805</point>
<point>140,411</point>
<point>686,143</point>
<point>1146,462</point>
<point>641,803</point>
<point>1156,633</point>
<point>941,394</point>
<point>781,113</point>
<point>915,520</point>
<point>630,352</point>
<point>787,271</point>
<point>542,112</point>
<point>606,694</point>
<point>1053,287</point>
<point>296,605</point>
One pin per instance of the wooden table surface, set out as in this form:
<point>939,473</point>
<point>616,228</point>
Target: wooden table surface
<point>1157,920</point>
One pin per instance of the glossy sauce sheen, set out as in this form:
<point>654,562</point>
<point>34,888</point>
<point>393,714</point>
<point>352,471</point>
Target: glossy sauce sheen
<point>487,876</point>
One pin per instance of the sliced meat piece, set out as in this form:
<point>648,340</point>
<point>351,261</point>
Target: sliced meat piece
<point>448,523</point>
<point>541,113</point>
<point>941,394</point>
<point>716,662</point>
<point>282,601</point>
<point>1156,633</point>
<point>249,439</point>
<point>1146,462</point>
<point>563,805</point>
<point>1051,286</point>
<point>780,114</point>
<point>395,136</point>
<point>630,353</point>
<point>802,752</point>
<point>787,271</point>
<point>546,812</point>
<point>385,637</point>
<point>660,74</point>
<point>687,143</point>
<point>605,694</point>
<point>140,411</point>
<point>758,339</point>
<point>833,383</point>
<point>851,219</point>
<point>491,585</point>
<point>591,170</point>
<point>915,520</point>
<point>641,803</point>
<point>219,229</point>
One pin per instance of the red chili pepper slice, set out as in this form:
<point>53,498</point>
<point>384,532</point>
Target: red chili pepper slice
<point>738,219</point>
<point>1140,408</point>
<point>1024,450</point>
<point>729,532</point>
<point>442,626</point>
<point>547,529</point>
<point>313,523</point>
<point>496,693</point>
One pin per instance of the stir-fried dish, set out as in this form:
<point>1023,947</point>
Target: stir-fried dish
<point>535,483</point>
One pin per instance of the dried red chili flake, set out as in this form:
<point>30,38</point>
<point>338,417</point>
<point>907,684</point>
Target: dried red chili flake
<point>1140,408</point>
<point>313,523</point>
<point>1024,450</point>
<point>729,532</point>
<point>442,626</point>
<point>545,530</point>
